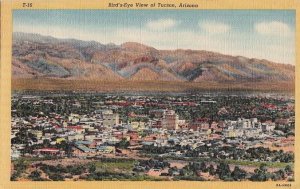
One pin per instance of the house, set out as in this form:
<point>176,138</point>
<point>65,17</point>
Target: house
<point>37,133</point>
<point>76,129</point>
<point>133,135</point>
<point>157,113</point>
<point>58,128</point>
<point>89,144</point>
<point>74,118</point>
<point>248,133</point>
<point>232,133</point>
<point>110,119</point>
<point>137,125</point>
<point>90,137</point>
<point>60,140</point>
<point>112,140</point>
<point>48,151</point>
<point>75,137</point>
<point>281,121</point>
<point>81,150</point>
<point>15,154</point>
<point>106,149</point>
<point>199,125</point>
<point>156,124</point>
<point>268,126</point>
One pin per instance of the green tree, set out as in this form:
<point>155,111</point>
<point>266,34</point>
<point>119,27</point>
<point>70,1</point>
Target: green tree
<point>35,175</point>
<point>223,171</point>
<point>261,174</point>
<point>123,144</point>
<point>288,169</point>
<point>280,174</point>
<point>211,170</point>
<point>203,167</point>
<point>172,170</point>
<point>92,168</point>
<point>238,174</point>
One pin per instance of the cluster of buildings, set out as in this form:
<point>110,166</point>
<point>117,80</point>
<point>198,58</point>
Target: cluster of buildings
<point>248,128</point>
<point>103,131</point>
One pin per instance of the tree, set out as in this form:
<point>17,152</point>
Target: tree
<point>211,170</point>
<point>280,174</point>
<point>46,143</point>
<point>56,177</point>
<point>92,168</point>
<point>172,170</point>
<point>238,174</point>
<point>203,167</point>
<point>66,146</point>
<point>20,166</point>
<point>123,144</point>
<point>223,171</point>
<point>35,175</point>
<point>261,174</point>
<point>288,169</point>
<point>186,171</point>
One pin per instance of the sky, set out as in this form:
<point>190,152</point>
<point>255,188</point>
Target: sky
<point>262,34</point>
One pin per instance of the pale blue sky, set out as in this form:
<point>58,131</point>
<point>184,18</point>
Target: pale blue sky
<point>264,34</point>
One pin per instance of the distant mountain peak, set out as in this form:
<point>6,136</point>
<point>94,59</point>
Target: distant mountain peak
<point>76,59</point>
<point>134,46</point>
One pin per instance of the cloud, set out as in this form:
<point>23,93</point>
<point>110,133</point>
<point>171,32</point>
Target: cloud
<point>161,24</point>
<point>213,27</point>
<point>273,28</point>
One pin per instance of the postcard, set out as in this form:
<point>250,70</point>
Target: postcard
<point>153,94</point>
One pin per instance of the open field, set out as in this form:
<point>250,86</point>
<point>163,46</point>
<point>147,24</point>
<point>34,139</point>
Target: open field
<point>115,166</point>
<point>147,86</point>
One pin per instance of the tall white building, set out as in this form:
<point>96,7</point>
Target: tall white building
<point>110,119</point>
<point>170,120</point>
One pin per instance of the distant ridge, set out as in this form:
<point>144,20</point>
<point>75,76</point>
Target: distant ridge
<point>36,56</point>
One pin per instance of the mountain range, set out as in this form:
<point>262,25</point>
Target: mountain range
<point>44,57</point>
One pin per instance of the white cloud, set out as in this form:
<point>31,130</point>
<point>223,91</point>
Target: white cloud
<point>213,27</point>
<point>161,24</point>
<point>273,28</point>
